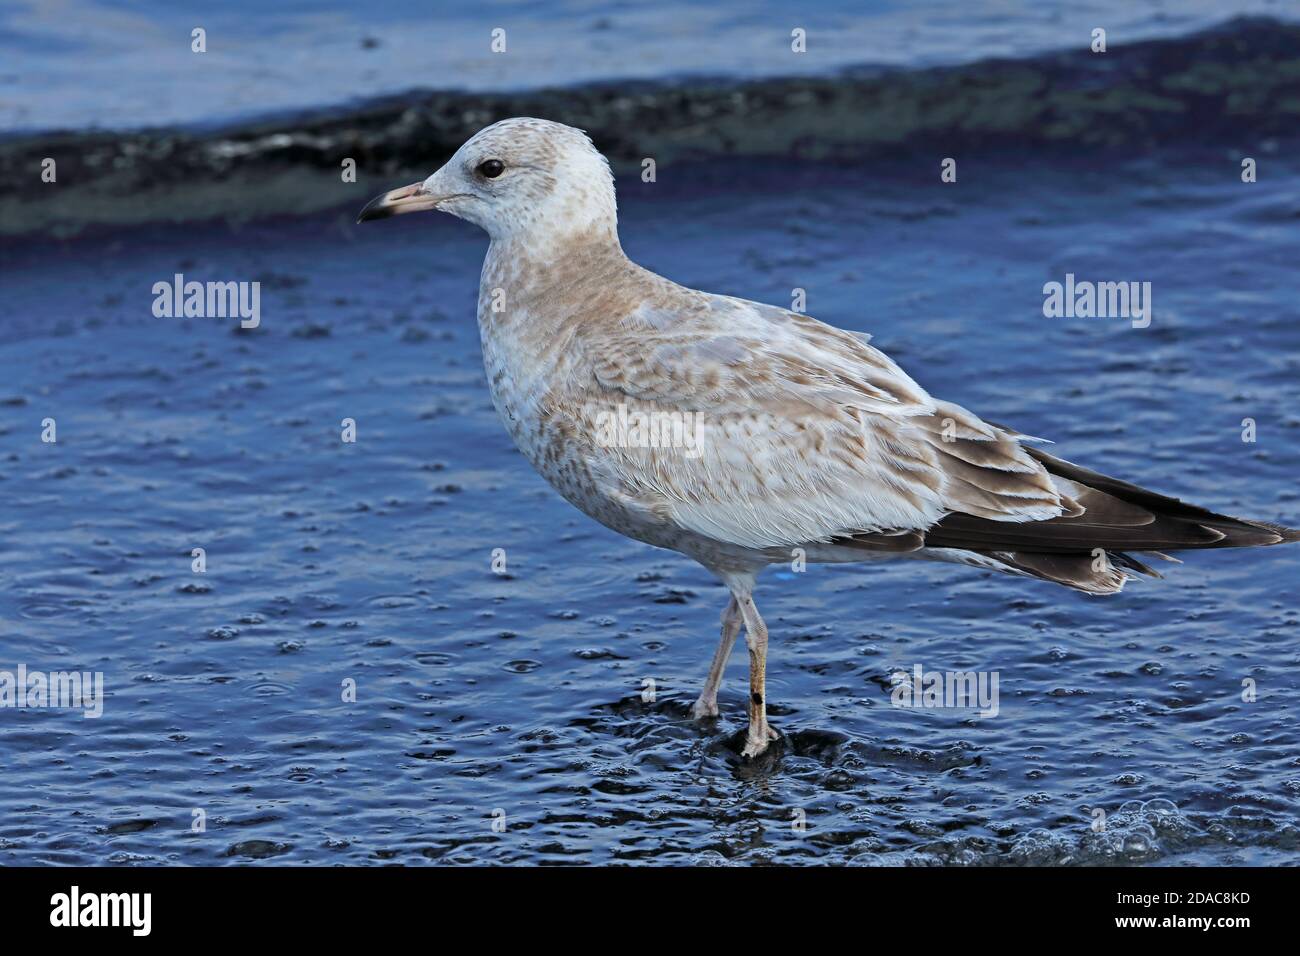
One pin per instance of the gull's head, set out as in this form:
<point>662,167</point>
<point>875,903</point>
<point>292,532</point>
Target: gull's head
<point>518,177</point>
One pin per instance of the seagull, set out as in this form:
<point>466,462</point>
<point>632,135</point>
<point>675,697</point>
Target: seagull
<point>789,438</point>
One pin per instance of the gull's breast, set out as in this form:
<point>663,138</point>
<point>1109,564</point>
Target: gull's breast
<point>536,392</point>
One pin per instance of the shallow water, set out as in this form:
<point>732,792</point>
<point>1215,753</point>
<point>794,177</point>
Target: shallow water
<point>521,695</point>
<point>128,63</point>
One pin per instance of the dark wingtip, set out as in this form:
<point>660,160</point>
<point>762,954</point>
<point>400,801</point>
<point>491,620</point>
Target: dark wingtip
<point>1280,534</point>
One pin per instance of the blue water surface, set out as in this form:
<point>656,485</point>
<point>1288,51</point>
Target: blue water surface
<point>517,699</point>
<point>131,63</point>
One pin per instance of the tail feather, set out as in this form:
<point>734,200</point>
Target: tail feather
<point>1078,571</point>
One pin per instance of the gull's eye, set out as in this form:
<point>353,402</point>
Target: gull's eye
<point>491,168</point>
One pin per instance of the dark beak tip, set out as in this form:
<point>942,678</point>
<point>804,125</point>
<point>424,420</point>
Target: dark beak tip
<point>375,209</point>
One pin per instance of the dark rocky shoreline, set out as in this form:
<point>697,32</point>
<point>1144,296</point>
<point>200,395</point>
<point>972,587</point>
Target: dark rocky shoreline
<point>1233,87</point>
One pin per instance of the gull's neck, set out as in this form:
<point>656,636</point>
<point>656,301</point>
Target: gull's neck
<point>527,270</point>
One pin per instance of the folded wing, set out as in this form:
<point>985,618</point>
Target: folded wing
<point>802,433</point>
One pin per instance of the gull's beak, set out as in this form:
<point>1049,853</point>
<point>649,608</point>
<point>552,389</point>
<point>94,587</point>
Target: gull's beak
<point>412,198</point>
